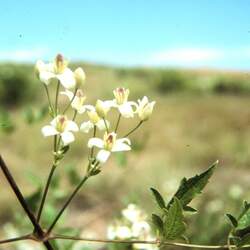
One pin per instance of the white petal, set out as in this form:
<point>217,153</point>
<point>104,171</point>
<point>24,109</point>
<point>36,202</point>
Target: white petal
<point>68,93</point>
<point>120,146</point>
<point>126,110</point>
<point>81,110</point>
<point>101,125</point>
<point>86,126</point>
<point>46,77</point>
<point>67,79</point>
<point>103,155</point>
<point>49,130</point>
<point>126,140</point>
<point>71,126</point>
<point>95,142</point>
<point>89,107</point>
<point>67,137</point>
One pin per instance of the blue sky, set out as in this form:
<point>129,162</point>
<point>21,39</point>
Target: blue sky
<point>197,33</point>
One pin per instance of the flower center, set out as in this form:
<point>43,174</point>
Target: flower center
<point>109,140</point>
<point>61,123</point>
<point>121,95</point>
<point>60,64</point>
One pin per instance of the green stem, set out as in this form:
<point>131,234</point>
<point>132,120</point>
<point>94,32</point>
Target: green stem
<point>67,203</point>
<point>74,116</point>
<point>134,129</point>
<point>55,114</point>
<point>48,96</point>
<point>92,149</point>
<point>118,122</point>
<point>67,107</point>
<point>106,125</point>
<point>150,242</point>
<point>45,192</point>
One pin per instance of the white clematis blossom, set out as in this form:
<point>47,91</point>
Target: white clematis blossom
<point>145,108</point>
<point>94,120</point>
<point>56,70</point>
<point>78,100</point>
<point>63,127</point>
<point>109,144</point>
<point>121,102</point>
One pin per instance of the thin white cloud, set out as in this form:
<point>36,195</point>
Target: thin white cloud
<point>185,56</point>
<point>23,55</point>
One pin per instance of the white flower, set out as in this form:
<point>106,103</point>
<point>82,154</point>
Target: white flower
<point>63,127</point>
<point>145,108</point>
<point>78,100</point>
<point>140,228</point>
<point>132,213</point>
<point>102,108</point>
<point>121,102</point>
<point>80,76</point>
<point>119,232</point>
<point>56,70</point>
<point>109,144</point>
<point>94,120</point>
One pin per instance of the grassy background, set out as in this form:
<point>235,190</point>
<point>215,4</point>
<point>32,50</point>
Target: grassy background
<point>200,116</point>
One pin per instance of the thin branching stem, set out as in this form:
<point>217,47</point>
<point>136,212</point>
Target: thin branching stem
<point>67,203</point>
<point>118,122</point>
<point>19,195</point>
<point>67,107</point>
<point>134,129</point>
<point>46,189</point>
<point>152,242</point>
<point>93,149</point>
<point>48,96</point>
<point>106,125</point>
<point>21,238</point>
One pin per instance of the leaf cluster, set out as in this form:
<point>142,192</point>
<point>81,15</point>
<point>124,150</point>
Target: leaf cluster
<point>170,223</point>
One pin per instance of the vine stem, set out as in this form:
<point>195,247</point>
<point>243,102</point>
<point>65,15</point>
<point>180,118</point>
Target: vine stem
<point>67,203</point>
<point>106,125</point>
<point>21,238</point>
<point>134,129</point>
<point>48,96</point>
<point>46,189</point>
<point>67,107</point>
<point>118,122</point>
<point>152,242</point>
<point>23,203</point>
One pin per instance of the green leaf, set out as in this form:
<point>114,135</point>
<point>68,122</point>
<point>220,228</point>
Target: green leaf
<point>174,225</point>
<point>232,220</point>
<point>244,240</point>
<point>189,209</point>
<point>160,201</point>
<point>189,188</point>
<point>157,221</point>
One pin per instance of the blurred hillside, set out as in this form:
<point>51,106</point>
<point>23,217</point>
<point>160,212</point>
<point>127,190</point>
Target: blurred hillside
<point>200,116</point>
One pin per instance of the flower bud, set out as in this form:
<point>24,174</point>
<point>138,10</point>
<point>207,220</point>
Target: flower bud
<point>121,95</point>
<point>79,76</point>
<point>102,108</point>
<point>93,116</point>
<point>145,108</point>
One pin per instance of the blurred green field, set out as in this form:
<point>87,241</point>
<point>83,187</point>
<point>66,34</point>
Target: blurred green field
<point>200,116</point>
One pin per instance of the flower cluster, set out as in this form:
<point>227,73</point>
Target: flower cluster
<point>105,136</point>
<point>132,226</point>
